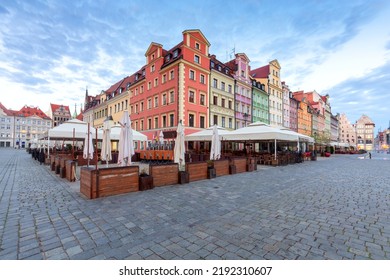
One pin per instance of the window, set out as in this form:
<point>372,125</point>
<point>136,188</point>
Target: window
<point>223,121</point>
<point>155,101</point>
<point>192,75</point>
<point>141,90</point>
<point>216,119</point>
<point>215,83</point>
<point>171,74</point>
<point>222,85</point>
<point>155,82</point>
<point>202,79</point>
<point>155,122</point>
<point>149,123</point>
<point>202,99</point>
<point>242,73</point>
<point>223,102</point>
<point>141,106</point>
<point>152,68</point>
<point>164,78</point>
<point>202,122</point>
<point>164,99</point>
<point>149,103</point>
<point>192,97</point>
<point>197,46</point>
<point>197,59</point>
<point>149,85</point>
<point>142,125</point>
<point>230,123</point>
<point>215,100</point>
<point>175,53</point>
<point>191,120</point>
<point>164,121</point>
<point>171,120</point>
<point>230,88</point>
<point>172,97</point>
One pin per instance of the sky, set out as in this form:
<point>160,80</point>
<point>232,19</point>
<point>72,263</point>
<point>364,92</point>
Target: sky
<point>52,50</point>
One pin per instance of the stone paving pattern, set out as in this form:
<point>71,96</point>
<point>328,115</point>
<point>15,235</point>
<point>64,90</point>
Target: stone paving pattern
<point>333,208</point>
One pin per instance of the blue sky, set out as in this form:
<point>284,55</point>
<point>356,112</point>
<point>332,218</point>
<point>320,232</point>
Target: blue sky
<point>50,51</point>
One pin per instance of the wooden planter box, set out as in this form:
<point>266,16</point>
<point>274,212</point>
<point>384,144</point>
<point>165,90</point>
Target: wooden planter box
<point>184,177</point>
<point>63,160</point>
<point>211,173</point>
<point>221,167</point>
<point>197,171</point>
<point>52,162</point>
<point>163,175</point>
<point>145,182</point>
<point>57,164</point>
<point>108,181</point>
<point>83,162</point>
<point>232,169</point>
<point>70,169</point>
<point>240,164</point>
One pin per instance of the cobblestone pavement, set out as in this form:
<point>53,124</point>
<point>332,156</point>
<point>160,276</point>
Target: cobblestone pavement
<point>333,208</point>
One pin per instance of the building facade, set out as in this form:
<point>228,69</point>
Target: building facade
<point>294,104</point>
<point>20,128</point>
<point>221,94</point>
<point>270,76</point>
<point>59,114</point>
<point>286,105</point>
<point>365,133</point>
<point>347,131</point>
<point>260,101</point>
<point>242,89</point>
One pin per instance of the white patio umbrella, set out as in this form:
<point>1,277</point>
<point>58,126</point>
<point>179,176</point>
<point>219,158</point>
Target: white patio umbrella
<point>106,141</point>
<point>179,149</point>
<point>88,145</point>
<point>161,137</point>
<point>215,151</point>
<point>125,146</point>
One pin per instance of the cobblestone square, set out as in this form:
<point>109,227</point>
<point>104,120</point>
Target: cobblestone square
<point>332,208</point>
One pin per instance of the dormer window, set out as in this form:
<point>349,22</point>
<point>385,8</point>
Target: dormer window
<point>143,73</point>
<point>212,64</point>
<point>175,53</point>
<point>136,77</point>
<point>219,68</point>
<point>168,58</point>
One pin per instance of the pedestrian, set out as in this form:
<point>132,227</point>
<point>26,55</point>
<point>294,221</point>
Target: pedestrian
<point>369,155</point>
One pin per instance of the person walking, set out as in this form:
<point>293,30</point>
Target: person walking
<point>369,155</point>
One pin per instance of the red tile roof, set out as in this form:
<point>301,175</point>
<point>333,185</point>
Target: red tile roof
<point>261,72</point>
<point>55,107</point>
<point>28,111</point>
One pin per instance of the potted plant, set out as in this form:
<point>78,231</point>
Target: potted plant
<point>145,181</point>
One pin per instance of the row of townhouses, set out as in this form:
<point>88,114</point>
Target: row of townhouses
<point>186,83</point>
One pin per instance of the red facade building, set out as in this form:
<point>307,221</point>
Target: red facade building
<point>173,86</point>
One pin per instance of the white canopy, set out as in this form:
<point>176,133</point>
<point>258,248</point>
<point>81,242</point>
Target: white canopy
<point>260,131</point>
<point>301,137</point>
<point>115,132</point>
<point>65,130</point>
<point>207,134</point>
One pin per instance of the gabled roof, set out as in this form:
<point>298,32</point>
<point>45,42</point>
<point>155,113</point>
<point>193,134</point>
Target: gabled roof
<point>6,111</point>
<point>261,72</point>
<point>55,107</point>
<point>28,111</point>
<point>197,31</point>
